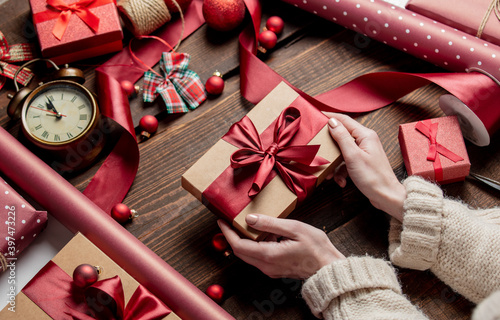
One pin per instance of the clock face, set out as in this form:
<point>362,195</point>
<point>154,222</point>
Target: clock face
<point>58,113</point>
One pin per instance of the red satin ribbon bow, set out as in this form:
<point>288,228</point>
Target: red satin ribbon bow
<point>106,300</point>
<point>80,8</point>
<point>14,53</point>
<point>279,154</point>
<point>430,130</point>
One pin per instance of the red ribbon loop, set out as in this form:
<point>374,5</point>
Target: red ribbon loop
<point>430,130</point>
<point>80,8</point>
<point>279,154</point>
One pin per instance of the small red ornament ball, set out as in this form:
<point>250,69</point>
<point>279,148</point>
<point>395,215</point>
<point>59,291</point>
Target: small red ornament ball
<point>275,24</point>
<point>121,212</point>
<point>219,242</point>
<point>268,39</point>
<point>85,275</point>
<point>223,15</point>
<point>216,292</point>
<point>128,87</point>
<point>172,8</point>
<point>149,123</point>
<point>214,85</point>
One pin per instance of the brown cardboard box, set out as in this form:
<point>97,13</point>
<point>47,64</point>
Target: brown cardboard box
<point>79,250</point>
<point>275,199</point>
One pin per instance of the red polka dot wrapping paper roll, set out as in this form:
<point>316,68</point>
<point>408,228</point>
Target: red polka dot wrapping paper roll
<point>410,32</point>
<point>425,39</point>
<point>20,224</point>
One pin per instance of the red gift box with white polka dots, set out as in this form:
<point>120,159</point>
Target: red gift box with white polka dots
<point>20,223</point>
<point>410,32</point>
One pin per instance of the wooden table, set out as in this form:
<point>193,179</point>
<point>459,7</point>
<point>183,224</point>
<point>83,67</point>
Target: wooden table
<point>315,55</point>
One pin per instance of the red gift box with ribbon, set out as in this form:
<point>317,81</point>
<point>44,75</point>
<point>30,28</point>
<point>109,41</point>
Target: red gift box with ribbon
<point>435,149</point>
<point>71,30</point>
<point>21,224</point>
<point>479,18</point>
<point>268,162</point>
<point>51,294</point>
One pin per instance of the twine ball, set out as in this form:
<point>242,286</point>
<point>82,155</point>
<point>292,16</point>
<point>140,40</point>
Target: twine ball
<point>142,17</point>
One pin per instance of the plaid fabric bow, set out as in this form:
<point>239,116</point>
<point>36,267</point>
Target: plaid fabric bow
<point>179,87</point>
<point>14,53</point>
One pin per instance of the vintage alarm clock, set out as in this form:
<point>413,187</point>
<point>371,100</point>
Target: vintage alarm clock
<point>60,119</point>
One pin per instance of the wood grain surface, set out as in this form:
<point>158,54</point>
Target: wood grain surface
<point>316,56</point>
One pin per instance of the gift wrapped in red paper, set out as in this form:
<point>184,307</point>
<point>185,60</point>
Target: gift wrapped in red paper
<point>267,163</point>
<point>435,149</point>
<point>20,224</point>
<point>473,17</point>
<point>71,30</point>
<point>53,293</point>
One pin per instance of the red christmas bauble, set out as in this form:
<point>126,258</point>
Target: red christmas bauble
<point>268,39</point>
<point>84,275</point>
<point>172,8</point>
<point>219,242</point>
<point>128,87</point>
<point>121,212</point>
<point>216,292</point>
<point>275,24</point>
<point>223,15</point>
<point>149,124</point>
<point>214,85</point>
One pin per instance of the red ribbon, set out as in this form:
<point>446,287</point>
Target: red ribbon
<point>430,130</point>
<point>278,155</point>
<point>53,291</point>
<point>14,53</point>
<point>367,92</point>
<point>62,11</point>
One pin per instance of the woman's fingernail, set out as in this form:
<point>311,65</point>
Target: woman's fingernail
<point>251,219</point>
<point>332,123</point>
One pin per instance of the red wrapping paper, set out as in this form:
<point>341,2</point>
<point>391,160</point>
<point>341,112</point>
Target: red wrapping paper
<point>79,41</point>
<point>20,224</point>
<point>410,32</point>
<point>475,94</point>
<point>464,15</point>
<point>415,149</point>
<point>78,213</point>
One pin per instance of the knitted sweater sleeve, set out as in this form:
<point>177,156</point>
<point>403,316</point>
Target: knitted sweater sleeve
<point>461,246</point>
<point>358,288</point>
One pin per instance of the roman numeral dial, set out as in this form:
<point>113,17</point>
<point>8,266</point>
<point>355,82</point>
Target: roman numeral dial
<point>59,114</point>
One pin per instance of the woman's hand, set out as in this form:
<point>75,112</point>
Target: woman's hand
<point>366,164</point>
<point>301,252</point>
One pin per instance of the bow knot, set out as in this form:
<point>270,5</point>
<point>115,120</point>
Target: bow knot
<point>430,130</point>
<point>179,86</point>
<point>14,53</point>
<point>105,300</point>
<point>280,154</point>
<point>273,149</point>
<point>80,8</point>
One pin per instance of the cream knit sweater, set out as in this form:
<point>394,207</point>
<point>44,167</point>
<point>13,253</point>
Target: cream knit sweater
<point>459,245</point>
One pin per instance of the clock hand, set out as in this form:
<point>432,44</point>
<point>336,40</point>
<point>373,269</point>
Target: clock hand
<point>50,106</point>
<point>49,111</point>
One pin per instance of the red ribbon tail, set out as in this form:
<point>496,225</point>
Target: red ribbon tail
<point>61,24</point>
<point>89,18</point>
<point>262,174</point>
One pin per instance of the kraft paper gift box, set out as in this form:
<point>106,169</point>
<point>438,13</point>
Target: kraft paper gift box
<point>435,149</point>
<point>225,190</point>
<point>464,15</point>
<point>78,250</point>
<point>21,224</point>
<point>79,40</point>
